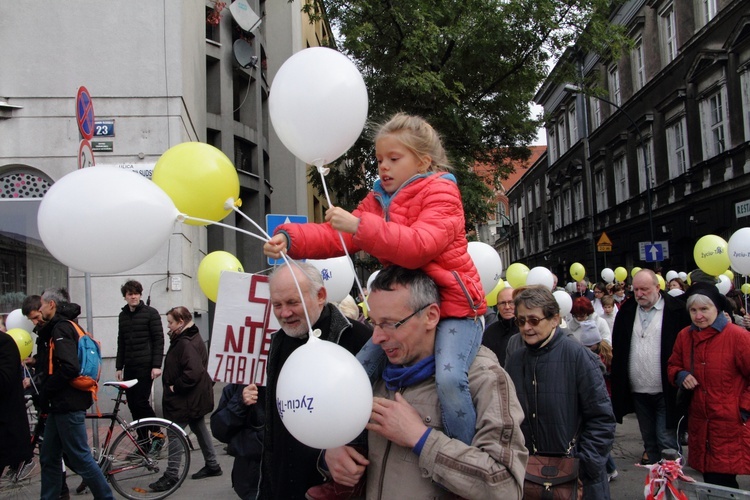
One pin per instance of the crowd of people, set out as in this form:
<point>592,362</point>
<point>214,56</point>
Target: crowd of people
<point>464,397</point>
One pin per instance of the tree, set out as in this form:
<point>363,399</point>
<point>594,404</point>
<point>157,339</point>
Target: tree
<point>470,67</point>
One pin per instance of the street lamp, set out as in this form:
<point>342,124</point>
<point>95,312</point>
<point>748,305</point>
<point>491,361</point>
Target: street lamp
<point>575,89</point>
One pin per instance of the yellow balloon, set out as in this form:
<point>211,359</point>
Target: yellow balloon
<point>516,274</point>
<point>621,274</point>
<point>729,274</point>
<point>23,341</point>
<point>634,271</point>
<point>711,254</point>
<point>745,288</point>
<point>210,269</point>
<point>662,283</point>
<point>492,296</point>
<point>199,179</point>
<point>577,271</point>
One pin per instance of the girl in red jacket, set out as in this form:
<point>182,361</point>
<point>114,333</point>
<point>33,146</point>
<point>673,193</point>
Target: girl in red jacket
<point>413,218</point>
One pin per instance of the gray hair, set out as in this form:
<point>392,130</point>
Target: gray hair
<point>311,272</point>
<point>422,290</point>
<point>535,296</point>
<point>699,300</point>
<point>650,273</point>
<point>56,295</point>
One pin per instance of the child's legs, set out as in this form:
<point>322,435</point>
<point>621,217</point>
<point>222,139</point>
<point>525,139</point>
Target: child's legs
<point>456,346</point>
<point>373,360</point>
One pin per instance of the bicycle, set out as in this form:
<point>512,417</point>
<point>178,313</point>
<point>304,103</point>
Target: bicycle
<point>135,458</point>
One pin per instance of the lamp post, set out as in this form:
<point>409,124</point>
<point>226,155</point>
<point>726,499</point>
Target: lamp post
<point>575,89</point>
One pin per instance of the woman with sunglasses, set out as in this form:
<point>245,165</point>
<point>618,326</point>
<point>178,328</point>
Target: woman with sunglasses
<point>562,392</point>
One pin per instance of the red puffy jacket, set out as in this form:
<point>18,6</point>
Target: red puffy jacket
<point>719,440</point>
<point>421,226</point>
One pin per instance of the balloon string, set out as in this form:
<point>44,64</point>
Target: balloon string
<point>286,260</point>
<point>249,219</point>
<point>27,374</point>
<point>341,237</point>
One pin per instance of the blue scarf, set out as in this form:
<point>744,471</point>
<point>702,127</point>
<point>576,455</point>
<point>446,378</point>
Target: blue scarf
<point>398,377</point>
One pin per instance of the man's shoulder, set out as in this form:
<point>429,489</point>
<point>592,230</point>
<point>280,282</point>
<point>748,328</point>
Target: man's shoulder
<point>486,364</point>
<point>354,336</point>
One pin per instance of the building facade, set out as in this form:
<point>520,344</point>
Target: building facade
<point>654,149</point>
<point>162,73</point>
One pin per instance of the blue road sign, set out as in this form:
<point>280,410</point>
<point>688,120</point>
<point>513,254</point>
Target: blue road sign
<point>654,252</point>
<point>275,220</point>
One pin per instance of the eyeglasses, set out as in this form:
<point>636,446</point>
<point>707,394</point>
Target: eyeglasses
<point>389,326</point>
<point>533,321</point>
<point>505,303</point>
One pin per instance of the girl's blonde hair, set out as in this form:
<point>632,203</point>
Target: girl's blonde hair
<point>418,136</point>
<point>605,351</point>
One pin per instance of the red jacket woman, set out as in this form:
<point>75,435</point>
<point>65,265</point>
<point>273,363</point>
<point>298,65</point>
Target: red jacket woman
<point>712,357</point>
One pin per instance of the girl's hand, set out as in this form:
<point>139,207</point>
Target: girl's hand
<point>275,246</point>
<point>341,220</point>
<point>690,382</point>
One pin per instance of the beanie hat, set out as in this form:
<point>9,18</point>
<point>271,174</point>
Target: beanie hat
<point>698,276</point>
<point>709,291</point>
<point>590,333</point>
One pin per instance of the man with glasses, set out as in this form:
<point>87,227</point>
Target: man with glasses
<point>562,392</point>
<point>497,334</point>
<point>406,417</point>
<point>288,467</point>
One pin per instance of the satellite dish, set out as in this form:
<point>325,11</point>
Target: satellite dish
<point>245,17</point>
<point>243,54</point>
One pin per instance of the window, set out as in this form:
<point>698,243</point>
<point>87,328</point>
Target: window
<point>745,86</point>
<point>639,72</point>
<point>562,136</point>
<point>578,213</point>
<point>552,143</point>
<point>677,149</point>
<point>708,10</point>
<point>713,124</point>
<point>614,85</point>
<point>529,201</point>
<point>621,180</point>
<point>600,180</point>
<point>557,213</point>
<point>573,125</point>
<point>538,193</point>
<point>668,33</point>
<point>567,207</point>
<point>645,173</point>
<point>596,112</point>
<point>539,240</point>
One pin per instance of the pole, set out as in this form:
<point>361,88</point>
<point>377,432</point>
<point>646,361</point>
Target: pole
<point>641,146</point>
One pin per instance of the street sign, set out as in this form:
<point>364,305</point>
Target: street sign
<point>275,220</point>
<point>742,209</point>
<point>646,251</point>
<point>104,128</point>
<point>103,146</point>
<point>85,113</point>
<point>604,244</point>
<point>85,154</point>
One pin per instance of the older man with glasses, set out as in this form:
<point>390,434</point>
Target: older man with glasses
<point>497,335</point>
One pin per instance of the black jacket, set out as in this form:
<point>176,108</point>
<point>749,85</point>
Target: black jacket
<point>56,393</point>
<point>288,467</point>
<point>192,395</point>
<point>241,427</point>
<point>140,340</point>
<point>563,395</point>
<point>497,335</point>
<point>674,318</point>
<point>14,426</point>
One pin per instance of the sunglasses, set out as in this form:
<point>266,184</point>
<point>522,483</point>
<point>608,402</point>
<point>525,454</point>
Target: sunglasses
<point>533,321</point>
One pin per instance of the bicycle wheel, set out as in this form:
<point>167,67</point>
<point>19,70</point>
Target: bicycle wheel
<point>21,482</point>
<point>136,465</point>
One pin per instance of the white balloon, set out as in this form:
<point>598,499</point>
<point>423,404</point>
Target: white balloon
<point>16,319</point>
<point>675,292</point>
<point>724,285</point>
<point>565,301</point>
<point>372,278</point>
<point>323,395</point>
<point>608,275</point>
<point>738,247</point>
<point>318,104</point>
<point>683,276</point>
<point>488,264</point>
<point>540,276</point>
<point>671,275</point>
<point>338,276</point>
<point>571,286</point>
<point>105,219</point>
